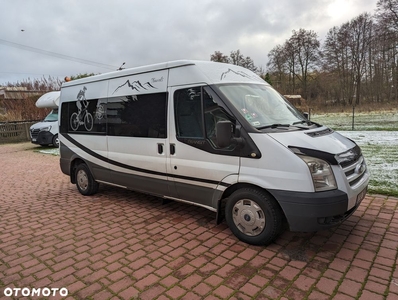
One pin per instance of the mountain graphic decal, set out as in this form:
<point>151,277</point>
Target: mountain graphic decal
<point>240,73</point>
<point>136,86</point>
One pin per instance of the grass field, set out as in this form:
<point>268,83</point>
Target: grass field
<point>377,135</point>
<point>380,149</point>
<point>374,121</point>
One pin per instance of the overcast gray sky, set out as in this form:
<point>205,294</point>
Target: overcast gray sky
<point>74,33</point>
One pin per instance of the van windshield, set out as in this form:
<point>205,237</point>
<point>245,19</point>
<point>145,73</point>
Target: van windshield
<point>52,116</point>
<point>262,106</point>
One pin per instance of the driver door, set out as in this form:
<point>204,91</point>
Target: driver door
<point>198,169</point>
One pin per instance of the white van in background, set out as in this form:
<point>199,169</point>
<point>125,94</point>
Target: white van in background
<point>214,135</point>
<point>45,132</point>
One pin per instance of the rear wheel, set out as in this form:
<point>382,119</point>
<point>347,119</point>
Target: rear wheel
<point>84,181</point>
<point>253,216</point>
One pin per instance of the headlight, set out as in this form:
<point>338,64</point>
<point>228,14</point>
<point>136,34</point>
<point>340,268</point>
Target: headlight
<point>48,128</point>
<point>321,172</point>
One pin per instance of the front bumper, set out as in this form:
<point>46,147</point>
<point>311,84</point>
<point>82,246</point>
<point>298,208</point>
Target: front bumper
<point>308,212</point>
<point>42,138</point>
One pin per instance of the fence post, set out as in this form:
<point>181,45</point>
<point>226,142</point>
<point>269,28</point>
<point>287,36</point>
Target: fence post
<point>27,127</point>
<point>353,117</point>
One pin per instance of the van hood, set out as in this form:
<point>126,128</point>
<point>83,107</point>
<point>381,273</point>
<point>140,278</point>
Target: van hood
<point>320,139</point>
<point>43,124</point>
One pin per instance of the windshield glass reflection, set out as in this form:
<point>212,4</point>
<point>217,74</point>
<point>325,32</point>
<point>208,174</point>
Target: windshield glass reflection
<point>262,106</point>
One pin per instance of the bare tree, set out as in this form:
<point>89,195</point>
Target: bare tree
<point>305,48</point>
<point>219,57</point>
<point>277,65</point>
<point>235,58</point>
<point>360,39</point>
<point>387,13</point>
<point>386,43</point>
<point>298,57</point>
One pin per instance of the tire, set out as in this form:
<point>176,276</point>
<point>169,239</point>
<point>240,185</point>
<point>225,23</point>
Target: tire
<point>253,216</point>
<point>85,182</point>
<point>55,141</point>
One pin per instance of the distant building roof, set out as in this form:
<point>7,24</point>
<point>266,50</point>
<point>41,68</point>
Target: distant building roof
<point>293,96</point>
<point>13,93</point>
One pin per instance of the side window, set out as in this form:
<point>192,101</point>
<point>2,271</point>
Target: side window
<point>188,111</point>
<point>213,113</point>
<point>197,114</point>
<point>83,117</point>
<point>138,115</point>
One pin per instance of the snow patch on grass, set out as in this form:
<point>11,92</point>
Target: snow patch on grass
<point>380,149</point>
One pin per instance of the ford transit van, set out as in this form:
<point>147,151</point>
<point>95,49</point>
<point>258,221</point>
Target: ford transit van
<point>213,135</point>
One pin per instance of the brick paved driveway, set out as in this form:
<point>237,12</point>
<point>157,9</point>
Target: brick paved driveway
<point>119,244</point>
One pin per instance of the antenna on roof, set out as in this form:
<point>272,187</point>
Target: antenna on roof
<point>121,67</point>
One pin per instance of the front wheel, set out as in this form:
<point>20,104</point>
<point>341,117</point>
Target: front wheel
<point>84,180</point>
<point>55,141</point>
<point>253,216</point>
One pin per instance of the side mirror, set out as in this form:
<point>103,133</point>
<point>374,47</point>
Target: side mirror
<point>306,115</point>
<point>224,133</point>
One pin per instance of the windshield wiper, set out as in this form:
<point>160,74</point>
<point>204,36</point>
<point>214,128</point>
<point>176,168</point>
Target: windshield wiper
<point>301,122</point>
<point>308,122</point>
<point>273,126</point>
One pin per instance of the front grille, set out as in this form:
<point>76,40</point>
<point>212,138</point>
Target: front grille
<point>354,170</point>
<point>34,133</point>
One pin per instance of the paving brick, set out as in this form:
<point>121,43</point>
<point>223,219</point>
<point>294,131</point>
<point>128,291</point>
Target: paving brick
<point>317,295</point>
<point>270,292</point>
<point>224,292</point>
<point>176,292</point>
<point>304,282</point>
<point>370,295</point>
<point>375,287</point>
<point>289,272</point>
<point>357,274</point>
<point>362,263</point>
<point>380,273</point>
<point>169,281</point>
<point>294,293</point>
<point>152,293</point>
<point>350,287</point>
<point>184,271</point>
<point>202,289</point>
<point>90,290</point>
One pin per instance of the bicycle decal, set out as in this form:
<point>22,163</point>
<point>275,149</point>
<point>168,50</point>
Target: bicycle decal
<point>83,116</point>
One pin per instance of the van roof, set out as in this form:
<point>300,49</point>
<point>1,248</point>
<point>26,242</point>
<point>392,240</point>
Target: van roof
<point>203,66</point>
<point>49,100</point>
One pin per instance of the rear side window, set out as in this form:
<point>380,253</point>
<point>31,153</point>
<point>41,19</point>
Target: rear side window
<point>86,116</point>
<point>138,115</point>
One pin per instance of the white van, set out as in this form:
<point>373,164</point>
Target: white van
<point>45,132</point>
<point>214,135</point>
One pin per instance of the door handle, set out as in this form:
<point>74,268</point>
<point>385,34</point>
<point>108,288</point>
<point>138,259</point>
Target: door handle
<point>172,149</point>
<point>160,148</point>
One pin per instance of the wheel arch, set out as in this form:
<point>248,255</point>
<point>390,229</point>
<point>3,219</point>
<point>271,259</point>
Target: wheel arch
<point>237,186</point>
<point>73,165</point>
